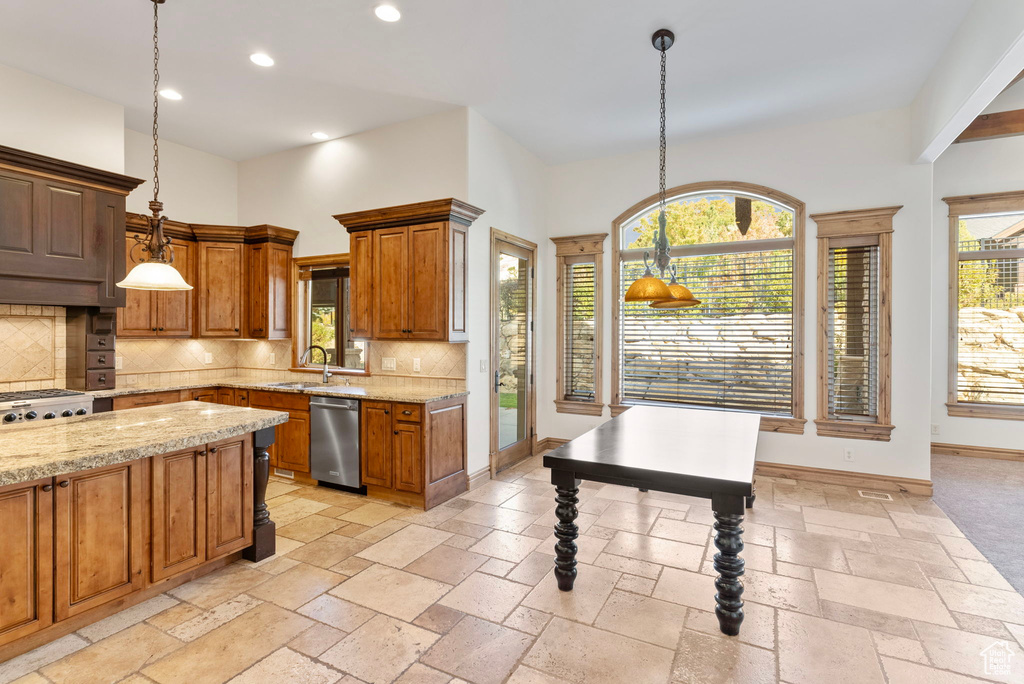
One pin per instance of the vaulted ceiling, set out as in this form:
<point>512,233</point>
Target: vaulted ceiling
<point>569,79</point>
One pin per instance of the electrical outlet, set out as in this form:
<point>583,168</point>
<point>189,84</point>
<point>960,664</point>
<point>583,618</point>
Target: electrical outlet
<point>118,362</point>
<point>483,365</point>
<point>273,359</point>
<point>847,454</point>
<point>416,365</point>
<point>387,363</point>
<point>207,358</point>
<point>935,430</point>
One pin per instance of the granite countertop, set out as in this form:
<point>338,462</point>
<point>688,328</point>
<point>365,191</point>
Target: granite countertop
<point>311,388</point>
<point>50,448</point>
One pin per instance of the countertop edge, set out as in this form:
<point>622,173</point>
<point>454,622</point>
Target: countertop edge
<point>382,395</point>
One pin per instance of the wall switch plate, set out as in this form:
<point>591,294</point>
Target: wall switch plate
<point>118,362</point>
<point>483,365</point>
<point>273,359</point>
<point>416,365</point>
<point>847,454</point>
<point>387,363</point>
<point>935,430</point>
<point>207,357</point>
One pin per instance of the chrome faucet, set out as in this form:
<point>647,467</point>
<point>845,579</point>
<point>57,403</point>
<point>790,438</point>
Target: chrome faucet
<point>307,354</point>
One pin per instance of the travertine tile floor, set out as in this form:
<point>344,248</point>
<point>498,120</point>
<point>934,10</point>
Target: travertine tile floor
<point>839,588</point>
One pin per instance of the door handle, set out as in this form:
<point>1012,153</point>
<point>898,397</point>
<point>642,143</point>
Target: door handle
<point>496,382</point>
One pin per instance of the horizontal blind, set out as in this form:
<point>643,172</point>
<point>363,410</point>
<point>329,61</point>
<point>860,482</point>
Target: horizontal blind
<point>734,351</point>
<point>578,308</point>
<point>990,329</point>
<point>852,280</point>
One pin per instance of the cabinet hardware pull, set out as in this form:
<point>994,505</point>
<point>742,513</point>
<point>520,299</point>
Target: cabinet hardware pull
<point>213,450</point>
<point>386,412</point>
<point>48,488</point>
<point>154,329</point>
<point>236,329</point>
<point>102,359</point>
<point>64,483</point>
<point>202,453</point>
<point>407,412</point>
<point>160,328</point>
<point>396,432</point>
<point>101,343</point>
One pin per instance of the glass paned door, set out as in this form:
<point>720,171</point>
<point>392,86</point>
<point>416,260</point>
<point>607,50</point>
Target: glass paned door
<point>512,353</point>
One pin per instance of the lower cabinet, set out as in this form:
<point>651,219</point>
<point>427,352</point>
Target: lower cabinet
<point>26,589</point>
<point>414,453</point>
<point>99,518</point>
<point>178,502</point>
<point>228,496</point>
<point>290,450</point>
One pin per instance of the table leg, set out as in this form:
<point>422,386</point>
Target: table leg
<point>567,487</point>
<point>729,541</point>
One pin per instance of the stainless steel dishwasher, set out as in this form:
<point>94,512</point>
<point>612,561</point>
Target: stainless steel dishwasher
<point>334,441</point>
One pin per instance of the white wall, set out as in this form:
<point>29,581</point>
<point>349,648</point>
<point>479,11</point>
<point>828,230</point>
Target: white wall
<point>37,115</point>
<point>508,182</point>
<point>303,188</point>
<point>855,163</point>
<point>195,186</point>
<point>964,169</point>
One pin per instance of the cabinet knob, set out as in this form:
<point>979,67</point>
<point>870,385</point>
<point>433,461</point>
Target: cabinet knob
<point>396,432</point>
<point>160,328</point>
<point>213,450</point>
<point>102,379</point>
<point>64,483</point>
<point>102,359</point>
<point>236,329</point>
<point>47,488</point>
<point>406,412</point>
<point>101,343</point>
<point>154,329</point>
<point>203,452</point>
<point>386,412</point>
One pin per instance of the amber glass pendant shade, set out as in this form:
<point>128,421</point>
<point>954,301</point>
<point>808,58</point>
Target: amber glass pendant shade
<point>648,288</point>
<point>680,296</point>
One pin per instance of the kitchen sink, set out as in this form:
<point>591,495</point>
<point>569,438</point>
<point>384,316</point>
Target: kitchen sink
<point>298,385</point>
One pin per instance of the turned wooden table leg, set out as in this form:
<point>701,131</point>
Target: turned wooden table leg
<point>567,487</point>
<point>264,531</point>
<point>729,542</point>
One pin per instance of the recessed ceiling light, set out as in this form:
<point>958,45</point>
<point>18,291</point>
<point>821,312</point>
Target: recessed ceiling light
<point>320,135</point>
<point>170,94</point>
<point>262,59</point>
<point>387,13</point>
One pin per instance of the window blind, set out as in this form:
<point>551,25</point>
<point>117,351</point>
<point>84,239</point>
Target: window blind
<point>735,351</point>
<point>853,332</point>
<point>578,310</point>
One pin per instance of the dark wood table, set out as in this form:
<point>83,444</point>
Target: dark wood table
<point>709,454</point>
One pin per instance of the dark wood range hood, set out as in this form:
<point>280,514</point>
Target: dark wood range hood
<point>61,231</point>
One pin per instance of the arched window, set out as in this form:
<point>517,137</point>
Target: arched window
<point>739,248</point>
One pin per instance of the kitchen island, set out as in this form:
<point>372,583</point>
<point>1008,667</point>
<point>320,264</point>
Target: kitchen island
<point>104,511</point>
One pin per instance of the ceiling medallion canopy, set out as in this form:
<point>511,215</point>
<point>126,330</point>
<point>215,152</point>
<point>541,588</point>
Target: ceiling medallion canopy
<point>649,288</point>
<point>156,271</point>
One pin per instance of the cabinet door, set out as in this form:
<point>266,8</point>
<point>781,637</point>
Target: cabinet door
<point>279,292</point>
<point>178,504</point>
<point>137,318</point>
<point>174,309</point>
<point>220,289</point>
<point>292,443</point>
<point>26,547</point>
<point>428,282</point>
<point>361,289</point>
<point>256,296</point>
<point>375,443</point>
<point>100,517</point>
<point>226,395</point>
<point>390,295</point>
<point>229,501</point>
<point>208,394</point>
<point>408,457</point>
<point>241,397</point>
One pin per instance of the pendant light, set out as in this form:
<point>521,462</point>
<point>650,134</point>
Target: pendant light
<point>156,272</point>
<point>649,288</point>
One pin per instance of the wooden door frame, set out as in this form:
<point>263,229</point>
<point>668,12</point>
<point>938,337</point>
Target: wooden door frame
<point>531,404</point>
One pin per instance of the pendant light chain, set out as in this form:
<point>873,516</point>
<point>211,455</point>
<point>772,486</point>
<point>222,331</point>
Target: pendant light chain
<point>156,102</point>
<point>661,140</point>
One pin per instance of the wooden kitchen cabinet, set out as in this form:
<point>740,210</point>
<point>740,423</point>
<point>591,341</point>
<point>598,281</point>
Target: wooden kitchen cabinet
<point>269,297</point>
<point>228,496</point>
<point>100,516</point>
<point>290,450</point>
<point>26,592</point>
<point>220,289</point>
<point>414,454</point>
<point>226,395</point>
<point>146,399</point>
<point>178,504</point>
<point>416,257</point>
<point>207,394</point>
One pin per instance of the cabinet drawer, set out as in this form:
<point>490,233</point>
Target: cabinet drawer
<point>409,413</point>
<point>99,379</point>
<point>99,343</point>
<point>150,399</point>
<point>278,400</point>
<point>100,360</point>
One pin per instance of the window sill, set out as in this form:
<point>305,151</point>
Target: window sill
<point>997,411</point>
<point>853,430</point>
<point>583,408</point>
<point>783,424</point>
<point>332,371</point>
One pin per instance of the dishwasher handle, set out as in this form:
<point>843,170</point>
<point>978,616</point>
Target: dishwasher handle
<point>335,407</point>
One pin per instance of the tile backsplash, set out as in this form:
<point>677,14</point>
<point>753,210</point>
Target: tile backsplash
<point>170,356</point>
<point>437,359</point>
<point>33,348</point>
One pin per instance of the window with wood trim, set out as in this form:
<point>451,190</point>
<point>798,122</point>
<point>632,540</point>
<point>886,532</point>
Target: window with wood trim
<point>854,321</point>
<point>322,308</point>
<point>738,248</point>
<point>986,309</point>
<point>579,323</point>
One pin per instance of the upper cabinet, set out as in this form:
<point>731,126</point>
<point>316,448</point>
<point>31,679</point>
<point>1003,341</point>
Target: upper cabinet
<point>408,270</point>
<point>241,279</point>
<point>61,226</point>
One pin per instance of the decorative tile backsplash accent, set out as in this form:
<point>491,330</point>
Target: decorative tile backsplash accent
<point>173,356</point>
<point>33,348</point>
<point>437,359</point>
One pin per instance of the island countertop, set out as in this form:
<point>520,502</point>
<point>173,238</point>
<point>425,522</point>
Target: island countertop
<point>51,448</point>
